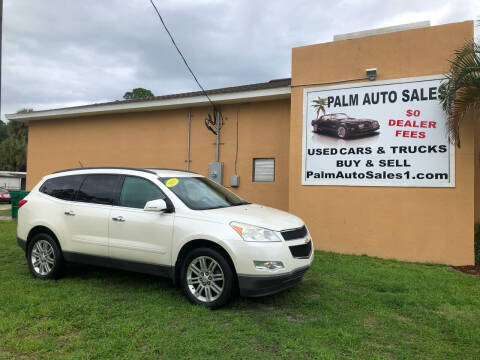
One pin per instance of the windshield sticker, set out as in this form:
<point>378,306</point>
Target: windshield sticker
<point>171,182</point>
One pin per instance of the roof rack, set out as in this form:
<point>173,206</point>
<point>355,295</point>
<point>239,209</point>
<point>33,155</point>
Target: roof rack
<point>106,167</point>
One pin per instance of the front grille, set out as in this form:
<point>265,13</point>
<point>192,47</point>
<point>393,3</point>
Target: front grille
<point>301,251</point>
<point>299,233</point>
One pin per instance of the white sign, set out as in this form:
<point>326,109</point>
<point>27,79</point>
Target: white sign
<point>383,133</point>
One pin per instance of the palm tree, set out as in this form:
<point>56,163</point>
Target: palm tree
<point>319,105</point>
<point>460,92</point>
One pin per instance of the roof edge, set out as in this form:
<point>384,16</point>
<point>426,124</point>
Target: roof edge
<point>275,89</point>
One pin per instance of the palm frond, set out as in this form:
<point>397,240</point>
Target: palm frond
<point>459,93</point>
<point>319,104</point>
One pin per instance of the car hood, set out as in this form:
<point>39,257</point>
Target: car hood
<point>258,215</point>
<point>357,121</point>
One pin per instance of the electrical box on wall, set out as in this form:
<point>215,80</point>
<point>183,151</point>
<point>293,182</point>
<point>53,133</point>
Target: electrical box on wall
<point>235,181</point>
<point>215,172</point>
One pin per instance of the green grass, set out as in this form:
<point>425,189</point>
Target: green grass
<point>346,307</point>
<point>7,212</point>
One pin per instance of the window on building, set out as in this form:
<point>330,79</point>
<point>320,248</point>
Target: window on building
<point>264,170</point>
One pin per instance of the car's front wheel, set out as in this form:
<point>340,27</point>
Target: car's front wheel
<point>44,257</point>
<point>342,132</point>
<point>207,278</point>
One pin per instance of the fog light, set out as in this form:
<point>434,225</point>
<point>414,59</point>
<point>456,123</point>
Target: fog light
<point>268,265</point>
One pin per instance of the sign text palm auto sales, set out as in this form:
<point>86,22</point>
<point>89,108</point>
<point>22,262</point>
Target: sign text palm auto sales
<point>378,135</point>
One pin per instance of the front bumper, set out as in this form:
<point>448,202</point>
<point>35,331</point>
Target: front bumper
<point>364,130</point>
<point>262,285</point>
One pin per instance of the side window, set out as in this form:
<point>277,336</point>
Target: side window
<point>63,187</point>
<point>136,192</point>
<point>98,189</point>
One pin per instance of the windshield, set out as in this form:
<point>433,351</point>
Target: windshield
<point>200,193</point>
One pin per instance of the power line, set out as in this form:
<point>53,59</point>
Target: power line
<point>181,55</point>
<point>1,37</point>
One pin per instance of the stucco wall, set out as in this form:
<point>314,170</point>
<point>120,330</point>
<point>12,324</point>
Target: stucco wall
<point>159,139</point>
<point>417,224</point>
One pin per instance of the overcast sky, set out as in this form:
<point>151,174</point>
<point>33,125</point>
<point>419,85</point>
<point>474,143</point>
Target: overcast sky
<point>59,53</point>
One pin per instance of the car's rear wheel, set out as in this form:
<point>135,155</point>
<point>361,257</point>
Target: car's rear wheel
<point>342,132</point>
<point>207,278</point>
<point>44,257</point>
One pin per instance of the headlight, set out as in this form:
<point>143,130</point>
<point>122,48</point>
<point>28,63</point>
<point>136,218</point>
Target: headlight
<point>360,126</point>
<point>254,233</point>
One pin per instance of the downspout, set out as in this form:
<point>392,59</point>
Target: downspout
<point>217,138</point>
<point>188,138</point>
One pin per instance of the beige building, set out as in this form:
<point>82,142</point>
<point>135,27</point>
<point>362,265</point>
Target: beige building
<point>265,121</point>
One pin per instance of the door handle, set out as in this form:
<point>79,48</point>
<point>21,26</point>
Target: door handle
<point>69,213</point>
<point>118,218</point>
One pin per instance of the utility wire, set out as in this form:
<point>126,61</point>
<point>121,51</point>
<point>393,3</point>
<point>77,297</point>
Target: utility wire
<point>1,31</point>
<point>183,57</point>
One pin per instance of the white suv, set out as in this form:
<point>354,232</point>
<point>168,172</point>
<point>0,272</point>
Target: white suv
<point>165,222</point>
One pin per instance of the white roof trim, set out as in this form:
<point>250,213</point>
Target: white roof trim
<point>384,30</point>
<point>150,105</point>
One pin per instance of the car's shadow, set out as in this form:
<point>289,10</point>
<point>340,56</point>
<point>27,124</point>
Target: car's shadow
<point>103,276</point>
<point>130,282</point>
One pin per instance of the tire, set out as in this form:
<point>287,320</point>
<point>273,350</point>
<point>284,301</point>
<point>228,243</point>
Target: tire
<point>211,293</point>
<point>342,132</point>
<point>44,257</point>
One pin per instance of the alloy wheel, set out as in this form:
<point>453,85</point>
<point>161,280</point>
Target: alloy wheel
<point>42,257</point>
<point>205,279</point>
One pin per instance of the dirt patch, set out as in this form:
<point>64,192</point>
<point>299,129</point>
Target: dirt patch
<point>468,269</point>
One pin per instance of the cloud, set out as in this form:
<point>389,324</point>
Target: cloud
<point>63,53</point>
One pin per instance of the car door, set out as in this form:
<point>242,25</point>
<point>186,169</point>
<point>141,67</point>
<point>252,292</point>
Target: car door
<point>137,235</point>
<point>332,123</point>
<point>87,217</point>
<point>323,124</point>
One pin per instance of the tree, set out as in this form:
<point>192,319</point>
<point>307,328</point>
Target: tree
<point>3,131</point>
<point>319,105</point>
<point>460,93</point>
<point>138,93</point>
<point>13,145</point>
<point>18,130</point>
<point>13,155</point>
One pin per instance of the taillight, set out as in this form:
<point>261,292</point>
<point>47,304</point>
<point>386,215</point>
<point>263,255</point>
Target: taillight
<point>21,203</point>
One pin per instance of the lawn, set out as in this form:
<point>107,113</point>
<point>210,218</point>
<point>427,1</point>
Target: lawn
<point>347,306</point>
<point>6,212</point>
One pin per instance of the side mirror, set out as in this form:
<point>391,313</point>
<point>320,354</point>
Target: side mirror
<point>158,205</point>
